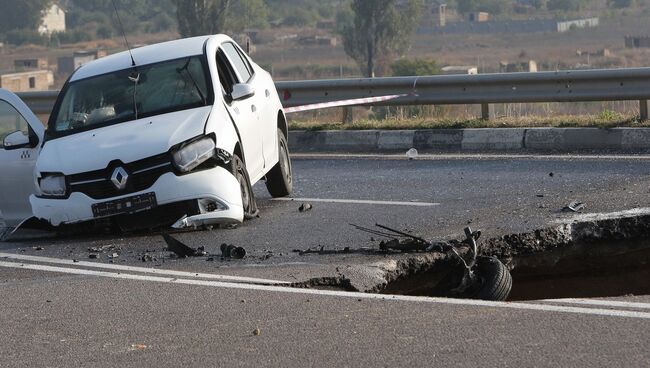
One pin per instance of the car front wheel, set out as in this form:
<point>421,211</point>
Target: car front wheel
<point>279,181</point>
<point>247,196</point>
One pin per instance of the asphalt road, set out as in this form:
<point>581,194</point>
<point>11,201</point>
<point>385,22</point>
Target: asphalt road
<point>54,312</point>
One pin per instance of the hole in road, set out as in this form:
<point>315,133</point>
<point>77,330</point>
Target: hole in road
<point>600,270</point>
<point>609,269</point>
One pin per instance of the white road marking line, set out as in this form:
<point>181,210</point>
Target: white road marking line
<point>358,201</point>
<point>115,267</point>
<point>284,289</point>
<point>601,303</point>
<point>599,216</point>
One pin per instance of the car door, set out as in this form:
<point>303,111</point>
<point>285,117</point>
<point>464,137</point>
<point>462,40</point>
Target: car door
<point>17,161</point>
<point>267,111</point>
<point>235,74</point>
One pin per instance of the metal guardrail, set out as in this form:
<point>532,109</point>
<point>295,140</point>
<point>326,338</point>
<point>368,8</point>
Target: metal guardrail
<point>40,102</point>
<point>483,89</point>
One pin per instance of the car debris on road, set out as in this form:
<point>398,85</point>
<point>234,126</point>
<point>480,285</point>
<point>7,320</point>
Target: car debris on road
<point>182,250</point>
<point>231,251</point>
<point>305,207</point>
<point>412,154</point>
<point>574,206</point>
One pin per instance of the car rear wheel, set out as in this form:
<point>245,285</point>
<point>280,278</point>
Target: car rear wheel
<point>247,196</point>
<point>279,181</point>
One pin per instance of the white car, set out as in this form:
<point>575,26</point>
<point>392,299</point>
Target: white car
<point>174,133</point>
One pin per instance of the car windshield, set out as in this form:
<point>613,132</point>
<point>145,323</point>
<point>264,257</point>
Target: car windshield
<point>133,93</point>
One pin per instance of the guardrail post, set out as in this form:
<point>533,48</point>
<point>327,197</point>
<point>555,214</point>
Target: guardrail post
<point>485,111</point>
<point>643,108</point>
<point>348,117</point>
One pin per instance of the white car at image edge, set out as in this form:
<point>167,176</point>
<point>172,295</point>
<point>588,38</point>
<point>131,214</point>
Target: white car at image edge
<point>176,134</point>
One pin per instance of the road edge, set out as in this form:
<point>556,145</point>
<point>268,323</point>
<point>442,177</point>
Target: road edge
<point>560,140</point>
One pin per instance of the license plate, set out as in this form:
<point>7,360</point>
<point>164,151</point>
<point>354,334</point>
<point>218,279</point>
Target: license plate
<point>133,204</point>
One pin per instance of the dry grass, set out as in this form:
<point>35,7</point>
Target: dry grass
<point>603,120</point>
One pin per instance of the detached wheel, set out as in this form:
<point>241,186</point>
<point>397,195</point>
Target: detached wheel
<point>494,280</point>
<point>247,196</point>
<point>279,181</point>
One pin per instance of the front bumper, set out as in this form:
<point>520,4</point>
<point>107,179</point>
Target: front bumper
<point>216,184</point>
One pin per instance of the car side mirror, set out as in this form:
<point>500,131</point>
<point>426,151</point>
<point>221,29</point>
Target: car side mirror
<point>242,91</point>
<point>16,140</point>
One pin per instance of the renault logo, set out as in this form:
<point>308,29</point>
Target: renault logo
<point>119,178</point>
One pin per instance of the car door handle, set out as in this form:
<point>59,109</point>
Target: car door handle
<point>253,108</point>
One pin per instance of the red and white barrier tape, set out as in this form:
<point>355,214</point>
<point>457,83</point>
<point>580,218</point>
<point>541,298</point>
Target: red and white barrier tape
<point>357,101</point>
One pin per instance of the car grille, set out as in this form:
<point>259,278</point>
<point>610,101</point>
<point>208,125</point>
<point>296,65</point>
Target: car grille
<point>142,175</point>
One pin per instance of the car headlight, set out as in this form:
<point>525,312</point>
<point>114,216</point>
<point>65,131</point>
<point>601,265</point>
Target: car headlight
<point>188,157</point>
<point>53,185</point>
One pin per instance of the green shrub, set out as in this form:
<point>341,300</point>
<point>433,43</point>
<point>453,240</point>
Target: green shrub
<point>409,67</point>
<point>25,36</point>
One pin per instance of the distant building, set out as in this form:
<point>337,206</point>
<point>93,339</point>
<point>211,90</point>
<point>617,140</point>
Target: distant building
<point>37,80</point>
<point>525,66</point>
<point>568,25</point>
<point>22,65</point>
<point>68,64</point>
<point>479,17</point>
<point>634,42</point>
<point>440,15</point>
<point>53,20</point>
<point>458,69</point>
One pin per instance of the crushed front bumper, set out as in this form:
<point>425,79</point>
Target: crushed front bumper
<point>216,184</point>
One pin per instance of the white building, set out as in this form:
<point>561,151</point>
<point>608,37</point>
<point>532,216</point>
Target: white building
<point>53,20</point>
<point>578,23</point>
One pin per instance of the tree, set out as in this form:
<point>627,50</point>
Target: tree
<point>620,4</point>
<point>565,5</point>
<point>490,6</point>
<point>247,14</point>
<point>201,17</point>
<point>22,14</point>
<point>379,28</point>
<point>538,4</point>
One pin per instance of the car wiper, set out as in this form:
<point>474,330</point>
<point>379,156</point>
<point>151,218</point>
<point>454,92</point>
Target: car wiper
<point>196,85</point>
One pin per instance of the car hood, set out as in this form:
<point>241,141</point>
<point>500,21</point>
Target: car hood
<point>127,142</point>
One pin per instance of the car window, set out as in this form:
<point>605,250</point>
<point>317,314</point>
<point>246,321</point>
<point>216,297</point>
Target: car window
<point>125,95</point>
<point>227,76</point>
<point>237,59</point>
<point>10,121</point>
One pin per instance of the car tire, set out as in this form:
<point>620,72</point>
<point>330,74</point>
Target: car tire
<point>279,180</point>
<point>247,195</point>
<point>495,281</point>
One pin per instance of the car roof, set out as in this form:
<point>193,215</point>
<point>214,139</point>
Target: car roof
<point>146,55</point>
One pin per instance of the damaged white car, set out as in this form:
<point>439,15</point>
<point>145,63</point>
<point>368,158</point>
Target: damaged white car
<point>174,133</point>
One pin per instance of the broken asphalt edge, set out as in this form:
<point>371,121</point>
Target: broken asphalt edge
<point>560,140</point>
<point>402,273</point>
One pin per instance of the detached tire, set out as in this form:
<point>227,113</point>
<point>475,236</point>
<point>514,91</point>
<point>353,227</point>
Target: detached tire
<point>495,281</point>
<point>247,196</point>
<point>279,180</point>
